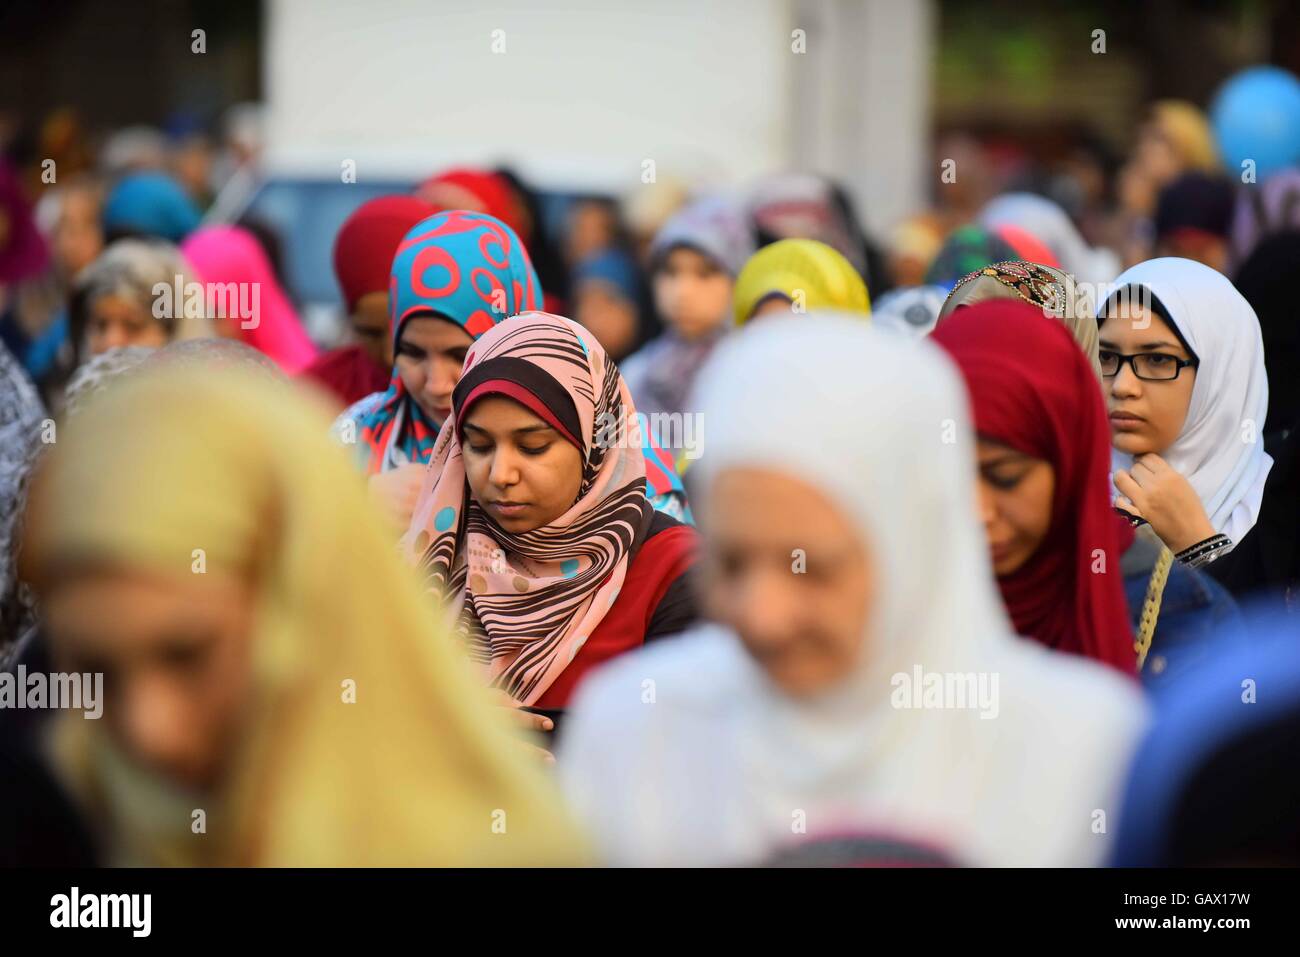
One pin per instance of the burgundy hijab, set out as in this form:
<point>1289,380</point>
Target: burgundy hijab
<point>1032,389</point>
<point>24,254</point>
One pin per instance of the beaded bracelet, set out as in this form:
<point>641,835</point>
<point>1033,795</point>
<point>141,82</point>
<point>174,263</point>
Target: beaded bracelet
<point>1202,553</point>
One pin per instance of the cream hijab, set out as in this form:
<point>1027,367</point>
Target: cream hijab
<point>416,770</point>
<point>723,766</point>
<point>1220,449</point>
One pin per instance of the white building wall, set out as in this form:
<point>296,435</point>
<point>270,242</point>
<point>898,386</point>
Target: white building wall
<point>586,91</point>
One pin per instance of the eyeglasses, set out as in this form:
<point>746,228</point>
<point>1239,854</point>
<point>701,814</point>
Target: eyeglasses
<point>1152,366</point>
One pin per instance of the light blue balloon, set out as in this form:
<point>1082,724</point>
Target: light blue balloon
<point>1256,116</point>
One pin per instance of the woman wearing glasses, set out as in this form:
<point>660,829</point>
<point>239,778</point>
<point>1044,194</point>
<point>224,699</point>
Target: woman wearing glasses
<point>1183,364</point>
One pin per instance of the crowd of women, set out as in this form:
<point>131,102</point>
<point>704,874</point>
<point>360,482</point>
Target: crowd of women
<point>983,549</point>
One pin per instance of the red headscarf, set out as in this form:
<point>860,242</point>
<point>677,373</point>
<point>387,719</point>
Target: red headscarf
<point>363,259</point>
<point>1029,248</point>
<point>493,194</point>
<point>1032,389</point>
<point>367,241</point>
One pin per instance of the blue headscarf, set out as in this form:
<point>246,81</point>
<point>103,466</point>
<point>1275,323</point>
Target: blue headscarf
<point>612,267</point>
<point>1243,703</point>
<point>150,204</point>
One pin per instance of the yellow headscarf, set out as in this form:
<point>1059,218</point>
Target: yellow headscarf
<point>418,770</point>
<point>791,266</point>
<point>1189,130</point>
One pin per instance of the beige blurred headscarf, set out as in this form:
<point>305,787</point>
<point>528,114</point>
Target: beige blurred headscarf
<point>1054,290</point>
<point>1188,129</point>
<point>418,770</point>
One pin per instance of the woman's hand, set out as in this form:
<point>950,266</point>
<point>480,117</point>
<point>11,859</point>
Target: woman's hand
<point>397,491</point>
<point>527,721</point>
<point>1152,489</point>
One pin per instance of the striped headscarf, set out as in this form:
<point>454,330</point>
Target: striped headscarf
<point>526,603</point>
<point>468,268</point>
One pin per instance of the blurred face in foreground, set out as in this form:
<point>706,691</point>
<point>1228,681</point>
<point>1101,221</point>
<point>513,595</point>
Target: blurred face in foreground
<point>430,354</point>
<point>1015,499</point>
<point>692,293</point>
<point>175,655</point>
<point>797,587</point>
<point>522,472</point>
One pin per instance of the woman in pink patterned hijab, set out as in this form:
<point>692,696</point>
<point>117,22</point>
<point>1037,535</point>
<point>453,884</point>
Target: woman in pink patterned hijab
<point>534,514</point>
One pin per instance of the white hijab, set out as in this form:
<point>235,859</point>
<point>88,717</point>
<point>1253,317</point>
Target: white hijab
<point>1220,449</point>
<point>1051,225</point>
<point>685,753</point>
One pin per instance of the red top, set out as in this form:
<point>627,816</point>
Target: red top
<point>348,373</point>
<point>655,601</point>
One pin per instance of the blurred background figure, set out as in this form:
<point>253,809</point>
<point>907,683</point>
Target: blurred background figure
<point>1174,139</point>
<point>800,276</point>
<point>363,261</point>
<point>1047,222</point>
<point>1271,207</point>
<point>1266,279</point>
<point>115,302</point>
<point>694,263</point>
<point>606,299</point>
<point>805,206</point>
<point>23,251</point>
<point>966,250</point>
<point>24,257</point>
<point>915,242</point>
<point>648,207</point>
<point>193,158</point>
<point>1192,216</point>
<point>591,226</point>
<point>135,149</point>
<point>233,266</point>
<point>149,204</point>
<point>537,234</point>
